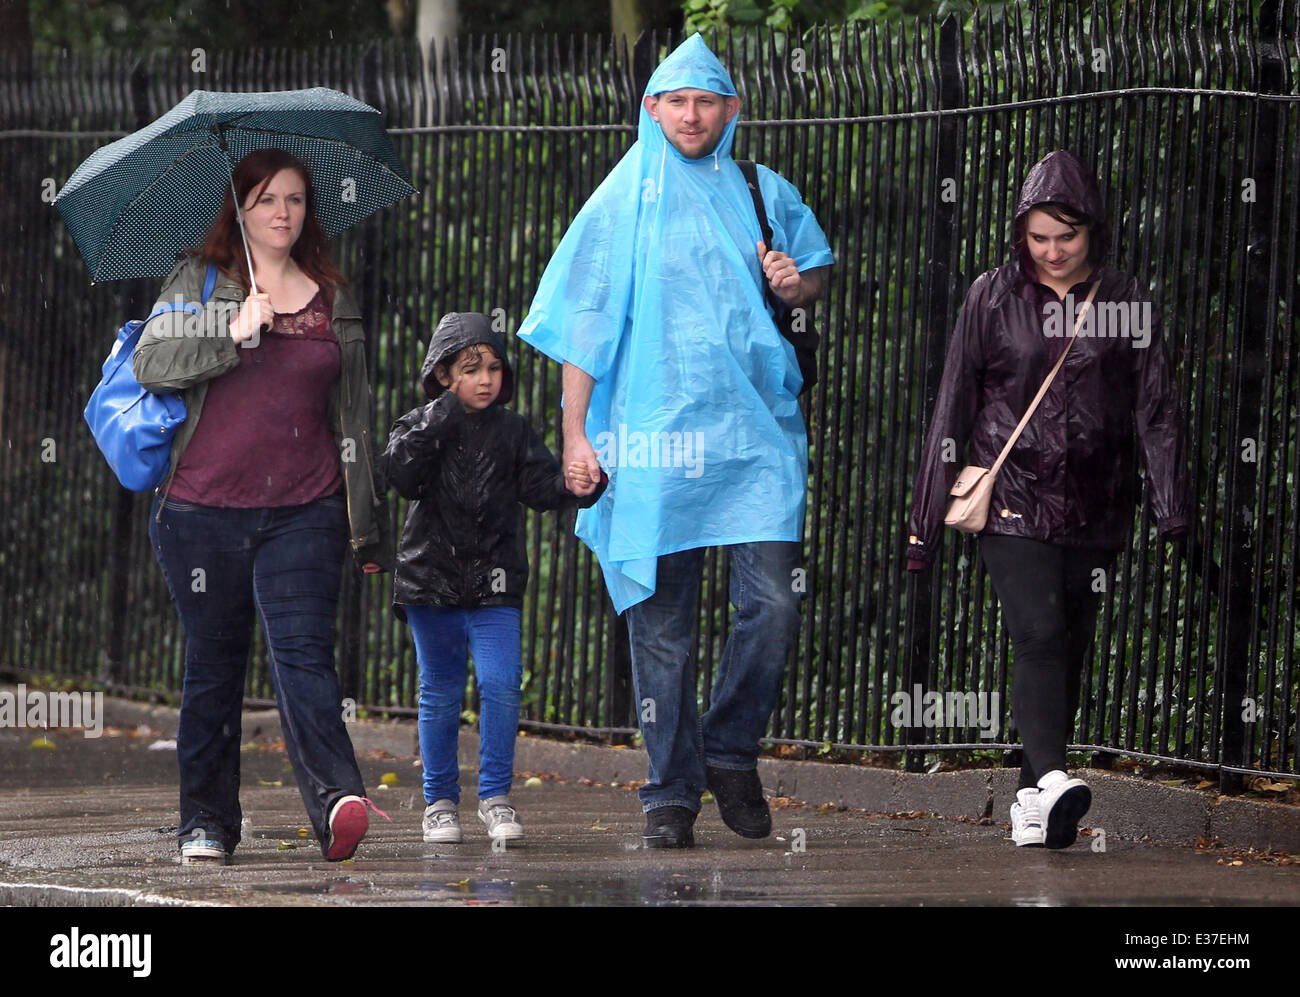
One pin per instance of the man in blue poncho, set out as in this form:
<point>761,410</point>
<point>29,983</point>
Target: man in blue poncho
<point>678,383</point>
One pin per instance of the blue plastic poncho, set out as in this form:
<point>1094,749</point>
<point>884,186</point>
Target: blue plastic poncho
<point>656,292</point>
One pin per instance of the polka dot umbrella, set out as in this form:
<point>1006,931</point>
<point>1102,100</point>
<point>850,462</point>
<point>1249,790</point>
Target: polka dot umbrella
<point>134,203</point>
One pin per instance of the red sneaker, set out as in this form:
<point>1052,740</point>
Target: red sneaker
<point>348,825</point>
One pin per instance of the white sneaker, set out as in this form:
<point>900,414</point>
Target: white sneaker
<point>501,820</point>
<point>1062,802</point>
<point>442,823</point>
<point>1026,825</point>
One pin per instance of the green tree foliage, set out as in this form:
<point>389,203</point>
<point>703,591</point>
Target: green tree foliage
<point>797,15</point>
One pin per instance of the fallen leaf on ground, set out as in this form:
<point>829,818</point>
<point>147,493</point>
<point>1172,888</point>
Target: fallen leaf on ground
<point>1263,784</point>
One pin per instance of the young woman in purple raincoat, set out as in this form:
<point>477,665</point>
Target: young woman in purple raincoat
<point>1062,504</point>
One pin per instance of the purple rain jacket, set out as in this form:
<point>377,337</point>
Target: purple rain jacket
<point>1071,479</point>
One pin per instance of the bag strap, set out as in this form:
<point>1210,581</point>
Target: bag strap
<point>750,172</point>
<point>997,466</point>
<point>209,284</point>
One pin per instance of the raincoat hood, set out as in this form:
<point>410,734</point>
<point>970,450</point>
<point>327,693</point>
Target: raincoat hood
<point>690,66</point>
<point>1061,177</point>
<point>455,331</point>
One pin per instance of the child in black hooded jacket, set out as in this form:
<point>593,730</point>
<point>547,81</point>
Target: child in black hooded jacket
<point>466,463</point>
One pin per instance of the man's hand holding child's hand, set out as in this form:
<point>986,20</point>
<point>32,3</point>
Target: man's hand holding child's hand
<point>580,479</point>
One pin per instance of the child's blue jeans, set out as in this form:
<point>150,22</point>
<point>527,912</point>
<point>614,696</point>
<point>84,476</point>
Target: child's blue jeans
<point>442,639</point>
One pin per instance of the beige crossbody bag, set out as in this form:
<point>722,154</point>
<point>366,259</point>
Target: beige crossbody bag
<point>969,509</point>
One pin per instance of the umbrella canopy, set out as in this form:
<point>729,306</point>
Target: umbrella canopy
<point>132,204</point>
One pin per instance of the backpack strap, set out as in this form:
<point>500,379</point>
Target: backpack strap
<point>750,172</point>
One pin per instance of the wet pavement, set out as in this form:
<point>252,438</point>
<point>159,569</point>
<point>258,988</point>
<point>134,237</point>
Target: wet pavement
<point>583,848</point>
<point>92,822</point>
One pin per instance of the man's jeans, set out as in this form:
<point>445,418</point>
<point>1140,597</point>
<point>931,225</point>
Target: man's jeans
<point>222,566</point>
<point>442,639</point>
<point>747,683</point>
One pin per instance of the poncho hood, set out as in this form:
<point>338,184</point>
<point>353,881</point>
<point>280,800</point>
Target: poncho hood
<point>456,331</point>
<point>691,66</point>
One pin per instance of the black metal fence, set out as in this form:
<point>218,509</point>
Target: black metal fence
<point>909,143</point>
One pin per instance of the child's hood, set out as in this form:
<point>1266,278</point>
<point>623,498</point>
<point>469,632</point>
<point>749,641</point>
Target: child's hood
<point>456,331</point>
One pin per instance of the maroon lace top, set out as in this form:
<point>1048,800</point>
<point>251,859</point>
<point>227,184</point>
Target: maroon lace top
<point>263,437</point>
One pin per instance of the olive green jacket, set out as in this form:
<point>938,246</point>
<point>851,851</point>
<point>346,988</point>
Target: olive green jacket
<point>180,351</point>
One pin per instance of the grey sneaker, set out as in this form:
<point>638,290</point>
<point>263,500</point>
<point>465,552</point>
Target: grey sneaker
<point>501,820</point>
<point>203,851</point>
<point>442,823</point>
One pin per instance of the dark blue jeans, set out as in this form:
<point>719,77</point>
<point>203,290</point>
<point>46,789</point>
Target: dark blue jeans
<point>747,682</point>
<point>223,567</point>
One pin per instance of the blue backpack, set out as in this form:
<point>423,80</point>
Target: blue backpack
<point>134,427</point>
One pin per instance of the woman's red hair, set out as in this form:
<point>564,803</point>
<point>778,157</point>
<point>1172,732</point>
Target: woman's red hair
<point>223,246</point>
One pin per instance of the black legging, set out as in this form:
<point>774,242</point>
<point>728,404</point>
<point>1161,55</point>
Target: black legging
<point>1049,601</point>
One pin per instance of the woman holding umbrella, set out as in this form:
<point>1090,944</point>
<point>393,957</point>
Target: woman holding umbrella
<point>271,482</point>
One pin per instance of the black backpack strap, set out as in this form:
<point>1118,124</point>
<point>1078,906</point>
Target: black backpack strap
<point>806,340</point>
<point>750,172</point>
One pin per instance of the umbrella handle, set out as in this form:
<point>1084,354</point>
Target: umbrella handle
<point>239,217</point>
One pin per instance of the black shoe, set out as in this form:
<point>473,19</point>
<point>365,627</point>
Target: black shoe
<point>669,827</point>
<point>740,801</point>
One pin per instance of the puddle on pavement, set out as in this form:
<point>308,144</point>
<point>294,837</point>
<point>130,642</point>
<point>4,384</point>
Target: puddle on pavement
<point>312,889</point>
<point>621,891</point>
